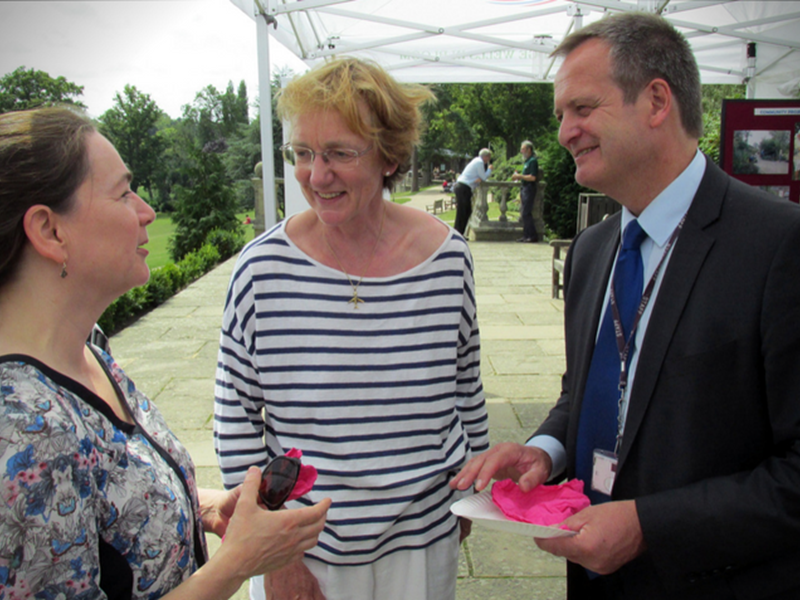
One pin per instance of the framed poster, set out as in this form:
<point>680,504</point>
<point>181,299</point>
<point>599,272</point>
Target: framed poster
<point>760,144</point>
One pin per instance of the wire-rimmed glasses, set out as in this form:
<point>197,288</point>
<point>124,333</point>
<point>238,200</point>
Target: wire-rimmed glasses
<point>341,158</point>
<point>278,480</point>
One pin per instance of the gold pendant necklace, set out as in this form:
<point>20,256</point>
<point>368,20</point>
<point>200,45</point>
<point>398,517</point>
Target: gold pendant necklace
<point>355,300</point>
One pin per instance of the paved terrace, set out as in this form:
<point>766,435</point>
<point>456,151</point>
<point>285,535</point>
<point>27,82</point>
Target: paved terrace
<point>171,354</point>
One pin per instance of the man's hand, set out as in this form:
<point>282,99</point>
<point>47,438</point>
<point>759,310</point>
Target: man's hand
<point>527,466</point>
<point>609,536</point>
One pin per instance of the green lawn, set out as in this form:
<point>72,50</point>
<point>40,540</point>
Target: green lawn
<point>159,231</point>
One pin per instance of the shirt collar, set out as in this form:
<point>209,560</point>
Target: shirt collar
<point>663,214</point>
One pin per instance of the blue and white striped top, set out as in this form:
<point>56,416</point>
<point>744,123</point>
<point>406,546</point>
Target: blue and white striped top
<point>385,401</point>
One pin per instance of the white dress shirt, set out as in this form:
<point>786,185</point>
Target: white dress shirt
<point>658,220</point>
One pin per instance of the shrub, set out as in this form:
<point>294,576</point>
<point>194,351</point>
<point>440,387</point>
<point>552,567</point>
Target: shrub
<point>227,242</point>
<point>163,284</point>
<point>199,262</point>
<point>557,168</point>
<point>208,203</point>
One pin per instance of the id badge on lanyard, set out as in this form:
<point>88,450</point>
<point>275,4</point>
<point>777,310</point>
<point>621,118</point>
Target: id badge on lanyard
<point>604,470</point>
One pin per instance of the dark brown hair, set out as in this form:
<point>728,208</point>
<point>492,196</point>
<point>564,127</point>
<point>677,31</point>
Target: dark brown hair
<point>644,47</point>
<point>43,160</point>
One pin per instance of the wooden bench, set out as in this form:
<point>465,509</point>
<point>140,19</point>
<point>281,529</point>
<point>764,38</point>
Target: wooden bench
<point>558,265</point>
<point>436,207</point>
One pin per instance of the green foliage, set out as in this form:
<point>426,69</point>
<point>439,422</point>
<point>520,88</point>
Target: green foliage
<point>214,115</point>
<point>27,88</point>
<point>195,264</point>
<point>557,169</point>
<point>468,116</point>
<point>164,283</point>
<point>131,126</point>
<point>227,243</point>
<point>207,203</point>
<point>713,95</point>
<point>244,152</point>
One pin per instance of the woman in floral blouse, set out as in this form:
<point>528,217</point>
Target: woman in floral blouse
<point>98,496</point>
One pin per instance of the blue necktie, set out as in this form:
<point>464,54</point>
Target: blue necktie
<point>598,421</point>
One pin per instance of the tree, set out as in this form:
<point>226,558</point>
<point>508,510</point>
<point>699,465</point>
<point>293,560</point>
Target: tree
<point>215,115</point>
<point>557,168</point>
<point>466,117</point>
<point>242,103</point>
<point>240,159</point>
<point>713,95</point>
<point>131,125</point>
<point>23,89</point>
<point>512,112</point>
<point>206,204</point>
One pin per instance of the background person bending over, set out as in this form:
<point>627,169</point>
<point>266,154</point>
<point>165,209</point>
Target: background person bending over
<point>350,332</point>
<point>98,496</point>
<point>478,169</point>
<point>694,470</point>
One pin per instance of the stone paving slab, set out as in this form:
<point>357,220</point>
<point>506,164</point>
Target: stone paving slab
<point>171,355</point>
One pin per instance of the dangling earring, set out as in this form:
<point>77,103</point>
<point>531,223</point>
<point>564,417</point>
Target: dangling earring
<point>64,270</point>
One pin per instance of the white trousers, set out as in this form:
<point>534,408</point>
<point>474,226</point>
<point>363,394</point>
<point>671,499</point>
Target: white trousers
<point>427,574</point>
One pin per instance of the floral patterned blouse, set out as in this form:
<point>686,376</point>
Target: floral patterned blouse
<point>92,506</point>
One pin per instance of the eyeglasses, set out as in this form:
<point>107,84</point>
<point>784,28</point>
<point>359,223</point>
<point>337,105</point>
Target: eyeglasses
<point>341,158</point>
<point>277,481</point>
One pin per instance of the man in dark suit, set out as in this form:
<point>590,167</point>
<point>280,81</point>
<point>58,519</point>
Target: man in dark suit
<point>703,472</point>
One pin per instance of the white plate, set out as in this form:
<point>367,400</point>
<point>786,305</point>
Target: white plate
<point>481,509</point>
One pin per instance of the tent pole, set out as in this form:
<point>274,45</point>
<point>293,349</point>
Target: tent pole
<point>750,80</point>
<point>265,105</point>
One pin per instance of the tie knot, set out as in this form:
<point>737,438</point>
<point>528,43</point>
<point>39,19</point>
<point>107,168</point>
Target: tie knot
<point>634,236</point>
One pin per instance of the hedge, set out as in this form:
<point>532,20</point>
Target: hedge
<point>164,283</point>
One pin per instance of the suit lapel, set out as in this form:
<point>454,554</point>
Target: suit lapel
<point>684,267</point>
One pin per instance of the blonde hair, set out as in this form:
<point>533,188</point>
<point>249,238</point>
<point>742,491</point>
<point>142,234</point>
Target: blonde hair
<point>348,85</point>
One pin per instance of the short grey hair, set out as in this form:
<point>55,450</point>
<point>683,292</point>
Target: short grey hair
<point>644,47</point>
<point>527,144</point>
<point>484,152</point>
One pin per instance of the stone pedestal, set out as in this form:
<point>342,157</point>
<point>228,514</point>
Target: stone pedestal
<point>482,229</point>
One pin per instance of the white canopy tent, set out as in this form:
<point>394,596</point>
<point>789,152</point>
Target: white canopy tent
<point>734,41</point>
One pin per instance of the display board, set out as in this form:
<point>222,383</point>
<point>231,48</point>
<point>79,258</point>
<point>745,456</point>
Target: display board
<point>760,144</point>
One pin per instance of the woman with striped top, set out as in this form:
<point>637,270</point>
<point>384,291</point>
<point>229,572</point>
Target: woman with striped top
<point>350,333</point>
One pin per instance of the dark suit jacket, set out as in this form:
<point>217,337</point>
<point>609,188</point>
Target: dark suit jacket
<point>711,450</point>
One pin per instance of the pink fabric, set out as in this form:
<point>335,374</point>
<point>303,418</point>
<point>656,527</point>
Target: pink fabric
<point>306,478</point>
<point>544,505</point>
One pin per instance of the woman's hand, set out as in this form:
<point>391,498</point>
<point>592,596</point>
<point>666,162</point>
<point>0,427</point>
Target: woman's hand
<point>294,582</point>
<point>216,508</point>
<point>258,541</point>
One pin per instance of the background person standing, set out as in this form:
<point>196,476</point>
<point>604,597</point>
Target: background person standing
<point>477,170</point>
<point>528,177</point>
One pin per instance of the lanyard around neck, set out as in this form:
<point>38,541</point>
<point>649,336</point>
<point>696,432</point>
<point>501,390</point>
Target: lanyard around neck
<point>624,345</point>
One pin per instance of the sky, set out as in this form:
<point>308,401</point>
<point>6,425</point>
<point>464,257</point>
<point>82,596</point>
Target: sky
<point>169,49</point>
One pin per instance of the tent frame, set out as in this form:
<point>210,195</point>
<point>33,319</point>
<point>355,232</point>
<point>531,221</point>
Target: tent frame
<point>288,20</point>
